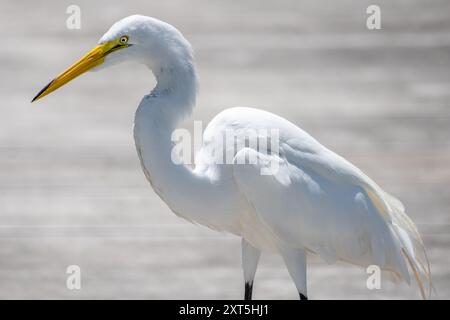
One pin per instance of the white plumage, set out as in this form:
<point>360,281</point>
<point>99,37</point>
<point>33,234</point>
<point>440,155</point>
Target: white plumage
<point>315,203</point>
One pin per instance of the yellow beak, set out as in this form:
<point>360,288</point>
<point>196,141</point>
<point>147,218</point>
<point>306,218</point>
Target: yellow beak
<point>92,59</point>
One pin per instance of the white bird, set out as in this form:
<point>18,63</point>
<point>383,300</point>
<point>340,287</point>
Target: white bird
<point>315,202</point>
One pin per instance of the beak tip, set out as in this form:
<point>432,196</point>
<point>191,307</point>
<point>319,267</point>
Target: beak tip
<point>41,93</point>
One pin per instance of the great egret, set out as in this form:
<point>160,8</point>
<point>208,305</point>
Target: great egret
<point>315,202</point>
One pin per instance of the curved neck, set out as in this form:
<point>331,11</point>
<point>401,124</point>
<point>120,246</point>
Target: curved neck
<point>176,84</point>
<point>157,116</point>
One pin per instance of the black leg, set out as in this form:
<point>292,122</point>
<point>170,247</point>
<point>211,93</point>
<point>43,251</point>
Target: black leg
<point>248,290</point>
<point>302,297</point>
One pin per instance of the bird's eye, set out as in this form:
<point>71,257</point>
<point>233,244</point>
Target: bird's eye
<point>123,40</point>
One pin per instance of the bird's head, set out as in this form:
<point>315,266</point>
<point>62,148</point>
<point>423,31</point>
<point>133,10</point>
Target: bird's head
<point>137,38</point>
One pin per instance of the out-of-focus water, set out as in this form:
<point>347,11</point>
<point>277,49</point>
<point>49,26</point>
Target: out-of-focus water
<point>71,187</point>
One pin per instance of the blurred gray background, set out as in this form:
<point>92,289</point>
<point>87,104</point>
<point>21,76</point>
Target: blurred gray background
<point>71,187</point>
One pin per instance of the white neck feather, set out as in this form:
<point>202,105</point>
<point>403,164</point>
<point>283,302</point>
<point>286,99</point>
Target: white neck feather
<point>177,85</point>
<point>158,115</point>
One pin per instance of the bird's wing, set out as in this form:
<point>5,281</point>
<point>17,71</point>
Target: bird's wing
<point>309,179</point>
<point>336,168</point>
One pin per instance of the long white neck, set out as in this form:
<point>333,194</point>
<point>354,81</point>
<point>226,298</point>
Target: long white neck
<point>177,85</point>
<point>157,116</point>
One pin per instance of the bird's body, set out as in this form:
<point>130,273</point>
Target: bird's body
<point>314,201</point>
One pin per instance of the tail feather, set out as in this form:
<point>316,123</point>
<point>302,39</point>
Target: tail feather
<point>410,243</point>
<point>413,248</point>
<point>404,229</point>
